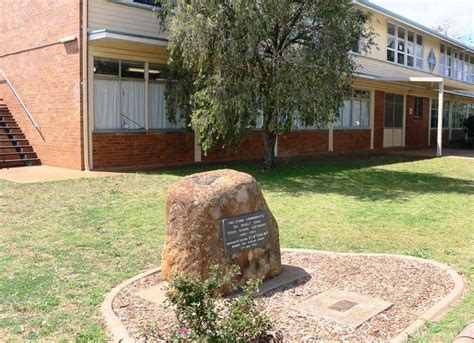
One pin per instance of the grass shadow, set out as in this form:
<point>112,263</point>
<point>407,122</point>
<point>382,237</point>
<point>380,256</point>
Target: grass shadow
<point>356,177</point>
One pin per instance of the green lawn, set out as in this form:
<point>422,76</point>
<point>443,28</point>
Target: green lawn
<point>64,245</point>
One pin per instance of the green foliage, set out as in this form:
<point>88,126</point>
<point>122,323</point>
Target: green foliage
<point>287,60</point>
<point>204,316</point>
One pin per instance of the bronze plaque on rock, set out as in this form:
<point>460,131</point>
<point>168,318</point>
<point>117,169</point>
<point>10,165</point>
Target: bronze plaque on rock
<point>245,232</point>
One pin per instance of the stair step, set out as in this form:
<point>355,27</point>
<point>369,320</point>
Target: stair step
<point>9,127</point>
<point>16,153</point>
<point>19,160</point>
<point>10,134</point>
<point>8,121</point>
<point>16,146</point>
<point>16,129</point>
<point>13,140</point>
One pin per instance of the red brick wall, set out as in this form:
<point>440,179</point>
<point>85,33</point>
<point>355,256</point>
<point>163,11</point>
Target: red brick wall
<point>303,143</point>
<point>46,74</point>
<point>456,134</point>
<point>378,119</point>
<point>417,127</point>
<point>140,149</point>
<point>252,148</point>
<point>347,140</point>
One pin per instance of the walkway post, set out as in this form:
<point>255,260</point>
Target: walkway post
<point>439,141</point>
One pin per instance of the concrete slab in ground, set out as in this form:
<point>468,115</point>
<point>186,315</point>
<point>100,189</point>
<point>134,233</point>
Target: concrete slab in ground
<point>45,173</point>
<point>288,275</point>
<point>348,308</point>
<point>155,294</point>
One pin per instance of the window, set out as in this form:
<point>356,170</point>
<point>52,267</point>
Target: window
<point>393,111</point>
<point>456,65</point>
<point>119,96</point>
<point>471,80</point>
<point>418,108</point>
<point>156,100</point>
<point>460,112</point>
<point>356,46</point>
<point>404,47</point>
<point>446,60</point>
<point>465,69</point>
<point>431,61</point>
<point>434,114</point>
<point>355,111</point>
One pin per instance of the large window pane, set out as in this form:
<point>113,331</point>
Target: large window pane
<point>356,113</point>
<point>133,105</point>
<point>346,113</point>
<point>106,104</point>
<point>365,114</point>
<point>157,106</point>
<point>398,111</point>
<point>388,111</point>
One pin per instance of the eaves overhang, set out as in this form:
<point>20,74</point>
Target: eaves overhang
<point>112,35</point>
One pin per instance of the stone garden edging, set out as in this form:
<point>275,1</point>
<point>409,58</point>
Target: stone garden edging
<point>114,325</point>
<point>119,333</point>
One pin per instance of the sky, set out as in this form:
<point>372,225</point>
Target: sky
<point>431,12</point>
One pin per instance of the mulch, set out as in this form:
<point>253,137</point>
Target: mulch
<point>412,286</point>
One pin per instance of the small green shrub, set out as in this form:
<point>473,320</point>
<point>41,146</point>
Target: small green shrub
<point>205,316</point>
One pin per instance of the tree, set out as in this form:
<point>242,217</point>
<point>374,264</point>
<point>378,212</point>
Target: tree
<point>448,27</point>
<point>231,61</point>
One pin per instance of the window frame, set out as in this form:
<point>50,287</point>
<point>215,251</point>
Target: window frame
<point>146,81</point>
<point>353,98</point>
<point>416,58</point>
<point>417,114</point>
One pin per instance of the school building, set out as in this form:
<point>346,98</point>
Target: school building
<point>80,88</point>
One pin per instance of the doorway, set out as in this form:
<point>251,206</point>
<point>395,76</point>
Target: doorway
<point>393,121</point>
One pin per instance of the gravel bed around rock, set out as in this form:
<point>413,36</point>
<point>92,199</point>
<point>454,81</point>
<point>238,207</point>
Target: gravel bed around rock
<point>412,286</point>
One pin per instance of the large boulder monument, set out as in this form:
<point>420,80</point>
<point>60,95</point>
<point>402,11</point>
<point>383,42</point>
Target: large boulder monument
<point>220,218</point>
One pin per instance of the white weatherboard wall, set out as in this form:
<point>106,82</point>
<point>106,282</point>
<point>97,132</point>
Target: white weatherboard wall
<point>105,14</point>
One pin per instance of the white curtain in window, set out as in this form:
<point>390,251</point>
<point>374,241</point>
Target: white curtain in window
<point>356,104</point>
<point>157,108</point>
<point>364,113</point>
<point>346,113</point>
<point>133,105</point>
<point>106,104</point>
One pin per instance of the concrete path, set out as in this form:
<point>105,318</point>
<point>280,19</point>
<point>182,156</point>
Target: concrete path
<point>431,152</point>
<point>45,173</point>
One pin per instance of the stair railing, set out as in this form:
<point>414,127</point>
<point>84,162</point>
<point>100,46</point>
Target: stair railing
<point>21,102</point>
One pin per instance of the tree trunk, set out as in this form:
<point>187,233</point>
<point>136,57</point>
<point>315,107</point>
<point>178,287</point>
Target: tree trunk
<point>269,140</point>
